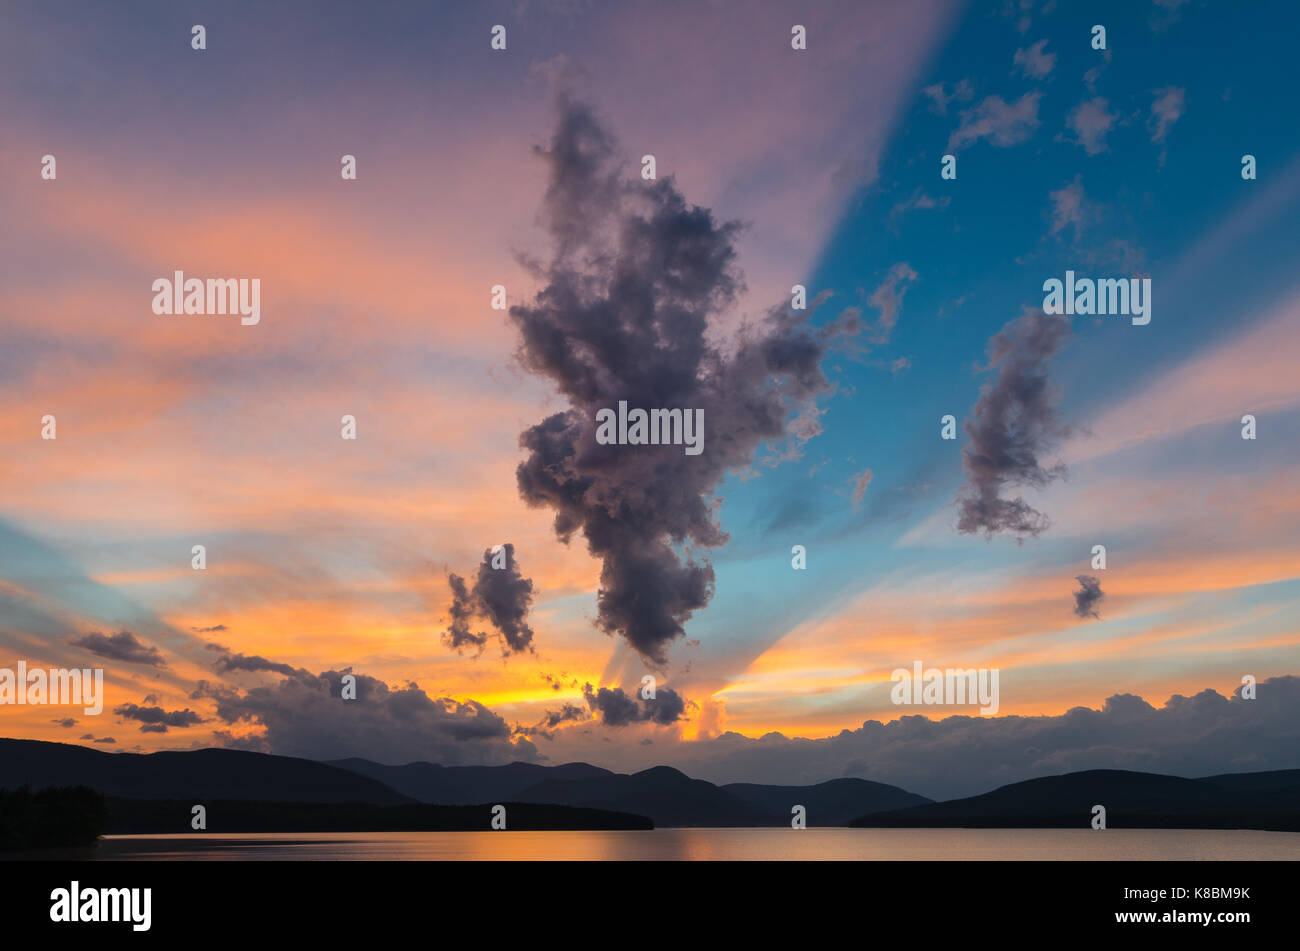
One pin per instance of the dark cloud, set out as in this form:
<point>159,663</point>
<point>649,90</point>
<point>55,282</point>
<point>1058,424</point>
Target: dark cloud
<point>462,611</point>
<point>254,743</point>
<point>206,689</point>
<point>1013,424</point>
<point>105,739</point>
<point>66,722</point>
<point>156,719</point>
<point>636,275</point>
<point>501,595</point>
<point>123,646</point>
<point>230,662</point>
<point>1088,596</point>
<point>614,707</point>
<point>965,755</point>
<point>215,629</point>
<point>305,715</point>
<point>570,711</point>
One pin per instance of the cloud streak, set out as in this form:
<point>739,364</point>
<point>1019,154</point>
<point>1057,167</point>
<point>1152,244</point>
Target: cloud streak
<point>1013,424</point>
<point>123,646</point>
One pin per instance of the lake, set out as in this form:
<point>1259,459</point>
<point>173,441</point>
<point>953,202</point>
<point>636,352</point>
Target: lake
<point>718,844</point>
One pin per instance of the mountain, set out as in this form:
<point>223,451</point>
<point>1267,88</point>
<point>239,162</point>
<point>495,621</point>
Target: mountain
<point>256,792</point>
<point>195,775</point>
<point>666,795</point>
<point>1285,782</point>
<point>466,785</point>
<point>663,794</point>
<point>1133,801</point>
<point>832,803</point>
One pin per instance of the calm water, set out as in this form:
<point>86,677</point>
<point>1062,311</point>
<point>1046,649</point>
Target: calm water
<point>718,844</point>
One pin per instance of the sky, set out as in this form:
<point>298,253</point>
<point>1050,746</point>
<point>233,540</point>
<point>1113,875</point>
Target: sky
<point>775,167</point>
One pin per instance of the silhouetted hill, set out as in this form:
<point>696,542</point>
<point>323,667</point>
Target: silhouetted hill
<point>832,803</point>
<point>1133,801</point>
<point>466,785</point>
<point>143,817</point>
<point>666,795</point>
<point>1285,782</point>
<point>196,775</point>
<point>669,797</point>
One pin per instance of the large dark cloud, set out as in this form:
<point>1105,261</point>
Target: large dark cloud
<point>502,596</point>
<point>635,277</point>
<point>123,646</point>
<point>614,707</point>
<point>1088,596</point>
<point>955,756</point>
<point>1013,425</point>
<point>156,719</point>
<point>305,715</point>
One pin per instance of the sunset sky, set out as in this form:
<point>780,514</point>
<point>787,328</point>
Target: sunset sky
<point>326,555</point>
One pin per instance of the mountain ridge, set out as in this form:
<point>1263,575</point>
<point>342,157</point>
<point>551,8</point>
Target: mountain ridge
<point>662,794</point>
<point>201,774</point>
<point>1132,799</point>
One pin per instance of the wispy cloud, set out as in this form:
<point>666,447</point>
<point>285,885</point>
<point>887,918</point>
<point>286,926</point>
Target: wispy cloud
<point>888,299</point>
<point>1003,124</point>
<point>1166,109</point>
<point>1068,206</point>
<point>860,483</point>
<point>1091,121</point>
<point>1034,62</point>
<point>940,96</point>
